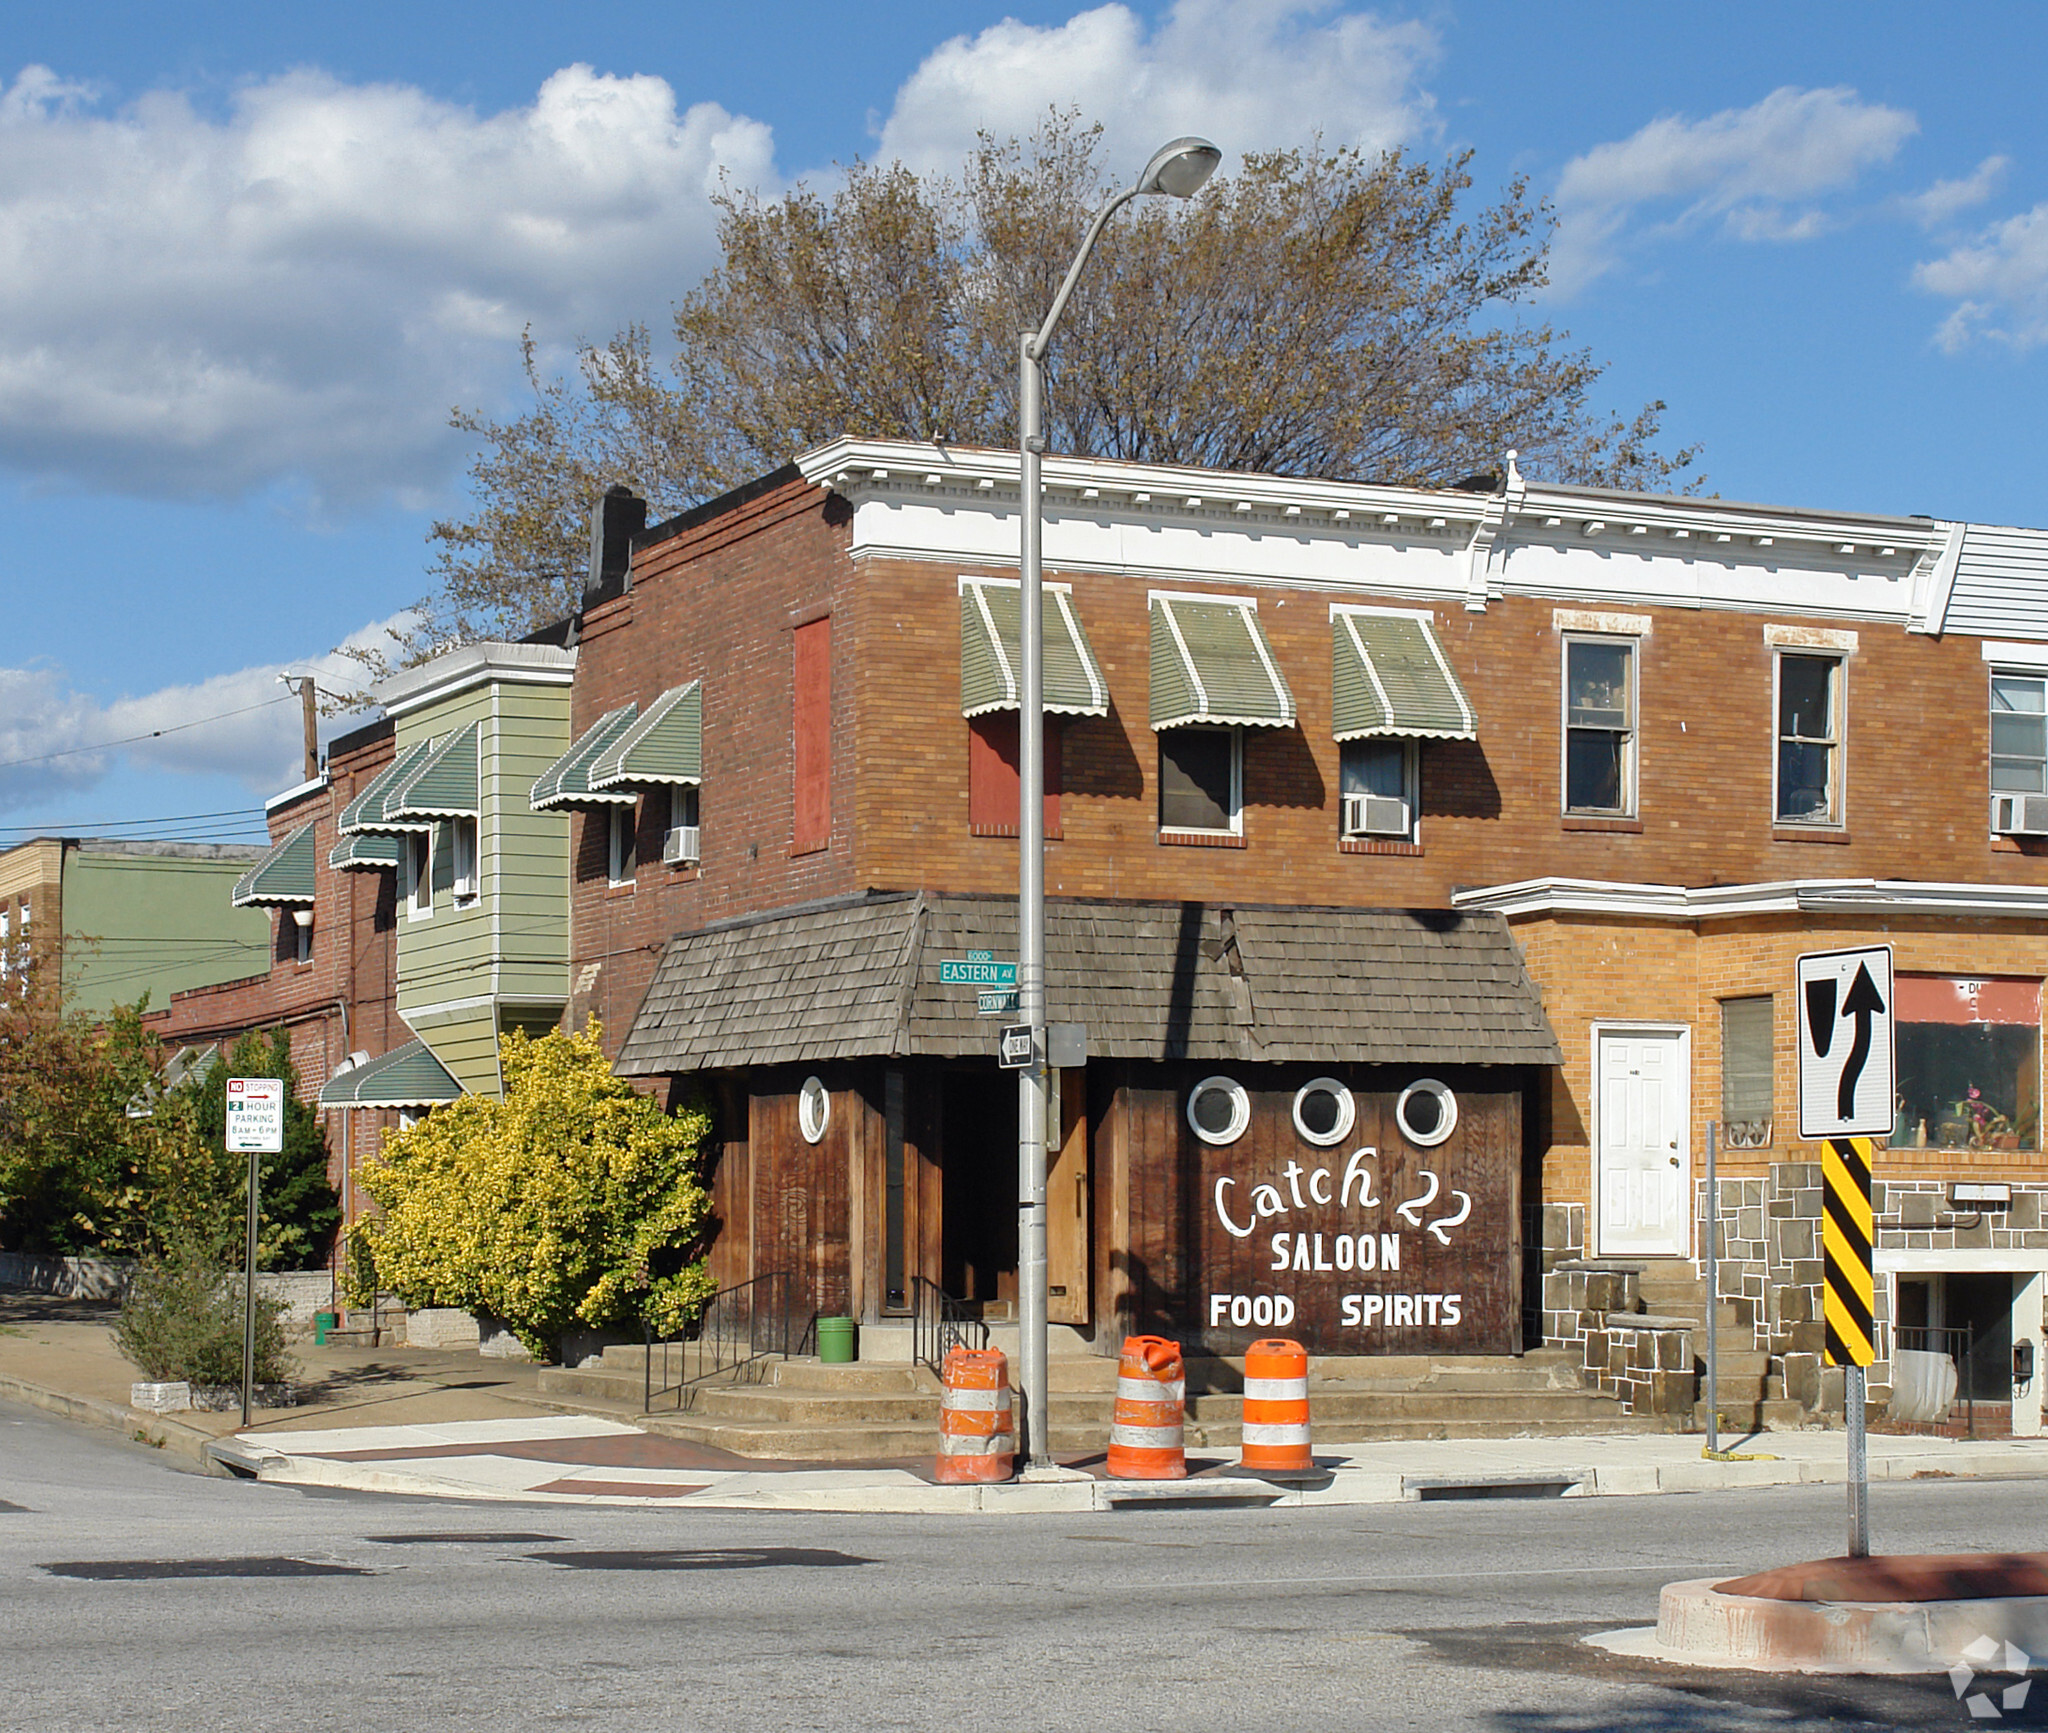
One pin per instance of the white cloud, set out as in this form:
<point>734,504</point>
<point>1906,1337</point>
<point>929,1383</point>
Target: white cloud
<point>1945,200</point>
<point>1756,170</point>
<point>301,288</point>
<point>1999,282</point>
<point>56,741</point>
<point>1250,74</point>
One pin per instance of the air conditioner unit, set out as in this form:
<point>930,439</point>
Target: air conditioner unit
<point>2020,814</point>
<point>1375,815</point>
<point>679,847</point>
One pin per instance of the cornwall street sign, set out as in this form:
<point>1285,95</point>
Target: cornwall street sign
<point>996,1002</point>
<point>1847,1072</point>
<point>1015,1050</point>
<point>255,1115</point>
<point>979,970</point>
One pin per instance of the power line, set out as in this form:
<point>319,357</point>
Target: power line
<point>80,826</point>
<point>153,734</point>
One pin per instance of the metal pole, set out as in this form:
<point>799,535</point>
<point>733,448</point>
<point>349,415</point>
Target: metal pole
<point>1859,1464</point>
<point>249,1296</point>
<point>1713,1299</point>
<point>1031,1267</point>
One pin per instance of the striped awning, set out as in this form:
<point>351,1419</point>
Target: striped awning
<point>365,851</point>
<point>1391,677</point>
<point>992,651</point>
<point>366,813</point>
<point>664,746</point>
<point>444,784</point>
<point>1211,663</point>
<point>566,782</point>
<point>283,877</point>
<point>408,1076</point>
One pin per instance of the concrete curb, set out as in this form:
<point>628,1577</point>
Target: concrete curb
<point>187,1443</point>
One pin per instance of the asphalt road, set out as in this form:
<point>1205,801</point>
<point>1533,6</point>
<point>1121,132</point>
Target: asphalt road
<point>133,1596</point>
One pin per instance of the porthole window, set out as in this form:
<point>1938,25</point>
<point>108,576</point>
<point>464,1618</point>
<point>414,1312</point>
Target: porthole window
<point>1219,1110</point>
<point>1427,1112</point>
<point>1324,1111</point>
<point>813,1109</point>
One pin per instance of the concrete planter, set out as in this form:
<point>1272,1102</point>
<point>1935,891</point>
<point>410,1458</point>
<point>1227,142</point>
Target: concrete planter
<point>167,1398</point>
<point>442,1327</point>
<point>225,1398</point>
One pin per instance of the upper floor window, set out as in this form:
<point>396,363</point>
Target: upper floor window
<point>302,935</point>
<point>2019,734</point>
<point>622,845</point>
<point>462,845</point>
<point>994,782</point>
<point>419,874</point>
<point>1201,779</point>
<point>681,843</point>
<point>1809,768</point>
<point>1378,782</point>
<point>1600,726</point>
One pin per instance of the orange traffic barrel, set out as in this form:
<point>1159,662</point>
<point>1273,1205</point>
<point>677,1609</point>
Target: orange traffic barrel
<point>1151,1403</point>
<point>1276,1408</point>
<point>977,1441</point>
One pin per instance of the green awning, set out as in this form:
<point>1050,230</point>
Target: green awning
<point>366,812</point>
<point>1392,677</point>
<point>992,651</point>
<point>407,1076</point>
<point>282,877</point>
<point>1211,663</point>
<point>664,746</point>
<point>566,782</point>
<point>443,785</point>
<point>365,851</point>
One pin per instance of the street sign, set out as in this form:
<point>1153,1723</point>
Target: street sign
<point>976,971</point>
<point>1846,1067</point>
<point>255,1115</point>
<point>1847,1302</point>
<point>1014,1050</point>
<point>996,1002</point>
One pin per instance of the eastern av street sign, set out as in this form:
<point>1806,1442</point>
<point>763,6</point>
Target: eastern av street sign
<point>1847,1074</point>
<point>976,971</point>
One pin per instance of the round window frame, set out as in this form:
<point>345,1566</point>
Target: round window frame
<point>1447,1103</point>
<point>1347,1111</point>
<point>1240,1111</point>
<point>813,1102</point>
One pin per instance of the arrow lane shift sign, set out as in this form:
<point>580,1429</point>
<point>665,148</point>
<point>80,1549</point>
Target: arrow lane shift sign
<point>1863,1003</point>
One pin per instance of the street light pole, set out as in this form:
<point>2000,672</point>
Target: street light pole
<point>1179,170</point>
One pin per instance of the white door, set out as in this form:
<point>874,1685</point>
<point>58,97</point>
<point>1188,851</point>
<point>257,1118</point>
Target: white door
<point>1645,1166</point>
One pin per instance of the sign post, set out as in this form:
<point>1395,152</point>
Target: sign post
<point>1847,1096</point>
<point>255,1127</point>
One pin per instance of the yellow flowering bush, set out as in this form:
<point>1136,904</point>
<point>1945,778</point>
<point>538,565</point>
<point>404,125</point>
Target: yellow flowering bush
<point>574,1201</point>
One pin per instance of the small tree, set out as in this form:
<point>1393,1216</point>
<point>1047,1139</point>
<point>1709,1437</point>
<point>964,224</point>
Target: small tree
<point>552,1208</point>
<point>183,1319</point>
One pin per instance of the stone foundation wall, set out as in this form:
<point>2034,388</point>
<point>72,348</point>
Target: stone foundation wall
<point>1596,1310</point>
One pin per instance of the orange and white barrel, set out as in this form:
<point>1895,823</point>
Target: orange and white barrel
<point>1276,1408</point>
<point>977,1438</point>
<point>1151,1405</point>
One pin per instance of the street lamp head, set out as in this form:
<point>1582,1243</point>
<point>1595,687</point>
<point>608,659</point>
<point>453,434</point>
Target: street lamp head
<point>1180,168</point>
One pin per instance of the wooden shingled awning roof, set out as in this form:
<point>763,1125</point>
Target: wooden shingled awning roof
<point>860,978</point>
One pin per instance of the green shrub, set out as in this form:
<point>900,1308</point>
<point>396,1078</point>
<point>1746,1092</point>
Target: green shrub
<point>182,1319</point>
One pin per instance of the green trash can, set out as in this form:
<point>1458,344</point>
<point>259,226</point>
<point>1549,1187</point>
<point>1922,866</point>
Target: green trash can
<point>835,1341</point>
<point>322,1323</point>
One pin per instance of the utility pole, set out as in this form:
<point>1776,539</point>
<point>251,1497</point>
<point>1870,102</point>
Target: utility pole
<point>309,718</point>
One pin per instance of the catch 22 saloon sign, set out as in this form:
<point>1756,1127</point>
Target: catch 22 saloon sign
<point>1357,1223</point>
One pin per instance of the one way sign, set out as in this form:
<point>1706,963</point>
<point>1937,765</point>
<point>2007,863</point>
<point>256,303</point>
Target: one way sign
<point>1846,1069</point>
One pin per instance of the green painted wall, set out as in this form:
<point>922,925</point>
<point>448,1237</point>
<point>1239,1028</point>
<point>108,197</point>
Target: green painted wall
<point>157,924</point>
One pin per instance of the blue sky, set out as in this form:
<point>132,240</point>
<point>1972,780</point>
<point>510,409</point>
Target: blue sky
<point>251,255</point>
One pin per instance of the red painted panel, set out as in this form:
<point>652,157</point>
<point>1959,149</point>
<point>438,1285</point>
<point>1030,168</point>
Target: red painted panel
<point>1965,999</point>
<point>811,737</point>
<point>993,775</point>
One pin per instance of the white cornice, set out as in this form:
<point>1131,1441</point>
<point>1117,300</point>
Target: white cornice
<point>474,665</point>
<point>1882,897</point>
<point>299,793</point>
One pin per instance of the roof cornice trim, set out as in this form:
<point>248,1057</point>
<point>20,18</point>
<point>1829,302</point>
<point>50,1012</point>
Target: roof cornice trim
<point>474,665</point>
<point>1679,903</point>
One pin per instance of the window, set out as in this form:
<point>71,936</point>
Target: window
<point>419,874</point>
<point>462,838</point>
<point>811,738</point>
<point>621,850</point>
<point>813,1109</point>
<point>681,844</point>
<point>1201,779</point>
<point>302,940</point>
<point>1969,1062</point>
<point>1600,726</point>
<point>1809,740</point>
<point>1746,1046</point>
<point>1324,1111</point>
<point>993,776</point>
<point>2019,734</point>
<point>1378,781</point>
<point>1426,1112</point>
<point>1219,1109</point>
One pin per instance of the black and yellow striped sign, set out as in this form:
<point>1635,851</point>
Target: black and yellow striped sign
<point>1845,1240</point>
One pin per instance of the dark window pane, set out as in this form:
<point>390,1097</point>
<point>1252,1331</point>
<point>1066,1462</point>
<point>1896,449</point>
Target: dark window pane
<point>1597,685</point>
<point>1194,778</point>
<point>1213,1109</point>
<point>1424,1113</point>
<point>1803,787</point>
<point>1806,696</point>
<point>1968,1085</point>
<point>1374,767</point>
<point>1593,771</point>
<point>1319,1112</point>
<point>2016,736</point>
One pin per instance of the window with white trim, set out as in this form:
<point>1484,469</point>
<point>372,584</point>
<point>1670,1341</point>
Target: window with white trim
<point>2019,734</point>
<point>1809,757</point>
<point>1201,779</point>
<point>1379,780</point>
<point>419,874</point>
<point>1600,726</point>
<point>462,846</point>
<point>622,843</point>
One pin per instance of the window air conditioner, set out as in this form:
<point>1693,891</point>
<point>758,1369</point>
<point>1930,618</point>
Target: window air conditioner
<point>2020,814</point>
<point>679,847</point>
<point>1375,815</point>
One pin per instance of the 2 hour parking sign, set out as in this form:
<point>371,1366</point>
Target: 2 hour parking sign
<point>1847,1075</point>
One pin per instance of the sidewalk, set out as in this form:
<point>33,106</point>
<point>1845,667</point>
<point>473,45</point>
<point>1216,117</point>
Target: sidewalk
<point>455,1425</point>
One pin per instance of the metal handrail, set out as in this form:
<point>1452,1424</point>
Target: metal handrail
<point>1960,1345</point>
<point>938,1322</point>
<point>740,1327</point>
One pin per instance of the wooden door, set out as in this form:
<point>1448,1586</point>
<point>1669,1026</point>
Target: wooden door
<point>1066,1202</point>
